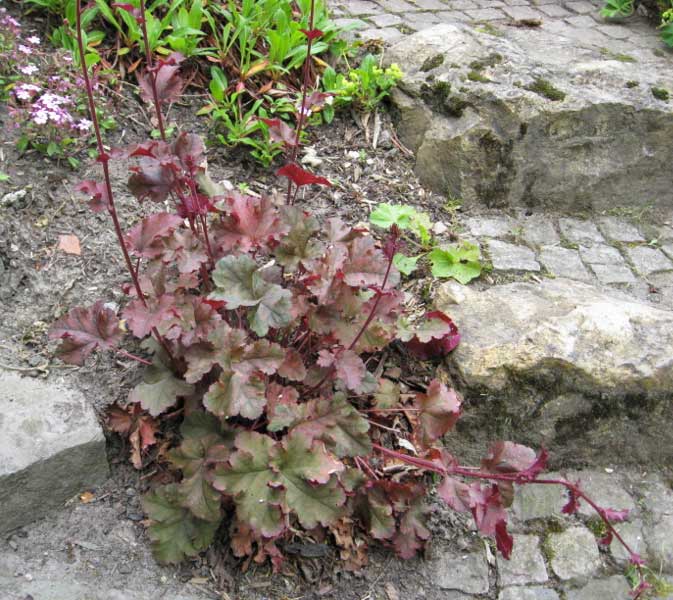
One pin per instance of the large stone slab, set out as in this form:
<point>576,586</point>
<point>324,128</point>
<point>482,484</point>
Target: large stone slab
<point>584,371</point>
<point>51,447</point>
<point>530,117</point>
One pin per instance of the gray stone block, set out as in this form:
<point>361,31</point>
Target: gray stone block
<point>537,230</point>
<point>494,227</point>
<point>632,532</point>
<point>51,448</point>
<point>601,254</point>
<point>526,565</point>
<point>580,232</point>
<point>613,274</point>
<point>612,587</point>
<point>510,257</point>
<point>528,593</point>
<point>563,262</point>
<point>648,260</point>
<point>619,230</point>
<point>581,6</point>
<point>553,10</point>
<point>521,12</point>
<point>539,501</point>
<point>660,543</point>
<point>464,573</point>
<point>606,489</point>
<point>574,554</point>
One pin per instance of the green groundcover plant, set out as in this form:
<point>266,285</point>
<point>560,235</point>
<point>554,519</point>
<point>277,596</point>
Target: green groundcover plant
<point>264,330</point>
<point>616,9</point>
<point>461,262</point>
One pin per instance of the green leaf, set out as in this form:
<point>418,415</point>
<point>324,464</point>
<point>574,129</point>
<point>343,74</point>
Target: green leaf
<point>379,515</point>
<point>159,390</point>
<point>336,422</point>
<point>405,264</point>
<point>273,310</point>
<point>175,533</point>
<point>236,394</point>
<point>4,177</point>
<point>246,477</point>
<point>240,283</point>
<point>386,215</point>
<point>387,395</point>
<point>299,465</point>
<point>196,492</point>
<point>300,243</point>
<point>233,276</point>
<point>667,34</point>
<point>460,262</point>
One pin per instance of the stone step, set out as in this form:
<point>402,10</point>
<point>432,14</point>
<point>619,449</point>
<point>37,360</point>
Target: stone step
<point>584,371</point>
<point>51,447</point>
<point>535,117</point>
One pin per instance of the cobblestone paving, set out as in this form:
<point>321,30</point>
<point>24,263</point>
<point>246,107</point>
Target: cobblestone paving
<point>605,250</point>
<point>556,556</point>
<point>389,20</point>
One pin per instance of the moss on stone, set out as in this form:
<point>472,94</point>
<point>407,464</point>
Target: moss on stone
<point>490,61</point>
<point>660,93</point>
<point>631,84</point>
<point>489,29</point>
<point>438,97</point>
<point>477,77</point>
<point>597,526</point>
<point>432,62</point>
<point>544,88</point>
<point>620,56</point>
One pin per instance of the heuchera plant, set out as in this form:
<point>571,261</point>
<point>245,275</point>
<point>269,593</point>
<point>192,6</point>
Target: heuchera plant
<point>266,330</point>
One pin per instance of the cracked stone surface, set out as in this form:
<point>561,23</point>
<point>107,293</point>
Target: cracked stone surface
<point>574,554</point>
<point>526,565</point>
<point>464,573</point>
<point>511,257</point>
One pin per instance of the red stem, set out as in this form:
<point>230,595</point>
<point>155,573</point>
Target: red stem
<point>512,478</point>
<point>132,356</point>
<point>305,81</point>
<point>152,73</point>
<point>104,159</point>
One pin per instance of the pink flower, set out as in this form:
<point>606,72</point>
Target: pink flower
<point>28,69</point>
<point>33,39</point>
<point>26,91</point>
<point>25,49</point>
<point>83,125</point>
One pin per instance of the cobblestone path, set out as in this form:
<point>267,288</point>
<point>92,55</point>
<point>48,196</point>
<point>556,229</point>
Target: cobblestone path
<point>577,19</point>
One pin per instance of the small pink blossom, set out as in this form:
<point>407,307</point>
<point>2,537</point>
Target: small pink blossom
<point>83,125</point>
<point>33,39</point>
<point>28,69</point>
<point>26,91</point>
<point>25,49</point>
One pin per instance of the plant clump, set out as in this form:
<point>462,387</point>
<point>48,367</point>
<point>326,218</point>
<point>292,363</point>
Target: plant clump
<point>660,93</point>
<point>263,330</point>
<point>546,89</point>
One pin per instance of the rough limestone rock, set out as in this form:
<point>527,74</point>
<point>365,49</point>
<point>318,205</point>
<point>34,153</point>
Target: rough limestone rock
<point>523,116</point>
<point>51,448</point>
<point>586,372</point>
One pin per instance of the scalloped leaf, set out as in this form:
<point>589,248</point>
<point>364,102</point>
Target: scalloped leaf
<point>246,477</point>
<point>175,532</point>
<point>338,424</point>
<point>85,329</point>
<point>235,394</point>
<point>439,410</point>
<point>159,390</point>
<point>299,245</point>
